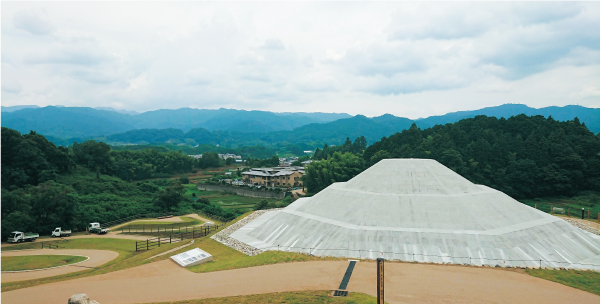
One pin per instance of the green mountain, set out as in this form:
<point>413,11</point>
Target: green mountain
<point>589,116</point>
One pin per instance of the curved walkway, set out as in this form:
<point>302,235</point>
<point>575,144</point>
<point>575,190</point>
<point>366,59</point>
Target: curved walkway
<point>96,258</point>
<point>405,283</point>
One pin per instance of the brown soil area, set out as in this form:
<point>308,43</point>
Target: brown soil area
<point>405,283</point>
<point>97,258</point>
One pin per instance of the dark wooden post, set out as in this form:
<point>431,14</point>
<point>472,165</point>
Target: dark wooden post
<point>380,281</point>
<point>147,244</point>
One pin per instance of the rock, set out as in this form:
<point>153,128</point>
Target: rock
<point>81,298</point>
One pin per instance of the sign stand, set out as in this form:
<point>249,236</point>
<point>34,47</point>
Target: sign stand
<point>380,296</point>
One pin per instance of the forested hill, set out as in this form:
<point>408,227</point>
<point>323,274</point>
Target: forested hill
<point>65,125</point>
<point>589,116</point>
<point>68,122</point>
<point>44,186</point>
<point>523,156</point>
<point>311,135</point>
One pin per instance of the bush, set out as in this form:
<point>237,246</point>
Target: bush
<point>184,180</point>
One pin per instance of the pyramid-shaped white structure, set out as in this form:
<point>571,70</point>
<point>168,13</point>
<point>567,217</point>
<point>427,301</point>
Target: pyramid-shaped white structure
<point>417,209</point>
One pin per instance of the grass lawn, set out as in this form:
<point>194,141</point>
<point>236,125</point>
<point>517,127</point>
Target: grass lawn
<point>187,221</point>
<point>580,279</point>
<point>127,258</point>
<point>225,258</point>
<point>590,200</point>
<point>227,200</point>
<point>38,261</point>
<point>309,297</point>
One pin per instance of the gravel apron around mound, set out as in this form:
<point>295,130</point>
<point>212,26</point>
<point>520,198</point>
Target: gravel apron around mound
<point>583,226</point>
<point>223,235</point>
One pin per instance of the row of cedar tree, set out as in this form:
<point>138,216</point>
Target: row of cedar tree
<point>45,186</point>
<point>523,156</point>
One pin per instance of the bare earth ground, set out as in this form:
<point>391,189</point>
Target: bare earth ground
<point>97,258</point>
<point>405,283</point>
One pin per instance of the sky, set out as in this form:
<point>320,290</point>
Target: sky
<point>407,59</point>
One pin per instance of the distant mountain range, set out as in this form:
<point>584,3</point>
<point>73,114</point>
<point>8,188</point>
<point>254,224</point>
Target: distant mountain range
<point>228,127</point>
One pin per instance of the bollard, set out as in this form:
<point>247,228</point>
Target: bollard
<point>380,282</point>
<point>582,211</point>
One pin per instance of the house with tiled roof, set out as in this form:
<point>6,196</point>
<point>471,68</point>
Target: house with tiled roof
<point>274,177</point>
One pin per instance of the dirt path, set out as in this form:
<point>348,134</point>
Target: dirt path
<point>97,258</point>
<point>405,283</point>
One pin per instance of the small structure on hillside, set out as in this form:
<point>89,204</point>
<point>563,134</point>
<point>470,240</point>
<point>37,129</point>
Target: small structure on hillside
<point>192,257</point>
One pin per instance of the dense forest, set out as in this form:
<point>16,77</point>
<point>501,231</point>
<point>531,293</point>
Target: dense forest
<point>523,156</point>
<point>45,186</point>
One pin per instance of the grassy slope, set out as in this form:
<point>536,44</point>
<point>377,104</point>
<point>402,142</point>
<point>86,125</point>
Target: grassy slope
<point>309,297</point>
<point>590,200</point>
<point>187,222</point>
<point>226,200</point>
<point>226,258</point>
<point>38,261</point>
<point>584,280</point>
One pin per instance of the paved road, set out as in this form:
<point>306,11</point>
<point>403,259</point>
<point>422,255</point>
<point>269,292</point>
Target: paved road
<point>97,258</point>
<point>405,283</point>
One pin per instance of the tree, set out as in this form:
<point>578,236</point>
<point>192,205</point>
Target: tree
<point>170,197</point>
<point>184,180</point>
<point>263,204</point>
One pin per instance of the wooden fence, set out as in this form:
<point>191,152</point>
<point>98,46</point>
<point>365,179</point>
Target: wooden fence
<point>152,243</point>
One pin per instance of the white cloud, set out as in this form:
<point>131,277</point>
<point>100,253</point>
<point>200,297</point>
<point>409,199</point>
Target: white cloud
<point>32,23</point>
<point>408,59</point>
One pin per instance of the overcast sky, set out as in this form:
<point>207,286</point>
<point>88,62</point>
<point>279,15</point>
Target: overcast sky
<point>407,59</point>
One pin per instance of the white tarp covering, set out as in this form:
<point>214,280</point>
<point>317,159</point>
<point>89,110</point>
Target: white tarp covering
<point>192,257</point>
<point>419,210</point>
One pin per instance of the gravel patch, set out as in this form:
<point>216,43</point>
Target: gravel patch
<point>583,226</point>
<point>223,235</point>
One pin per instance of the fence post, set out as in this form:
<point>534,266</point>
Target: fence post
<point>535,206</point>
<point>169,239</point>
<point>147,244</point>
<point>159,241</point>
<point>589,213</point>
<point>551,209</point>
<point>193,233</point>
<point>569,212</point>
<point>582,211</point>
<point>540,264</point>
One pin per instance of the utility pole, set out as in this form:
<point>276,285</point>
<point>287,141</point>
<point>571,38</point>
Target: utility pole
<point>380,280</point>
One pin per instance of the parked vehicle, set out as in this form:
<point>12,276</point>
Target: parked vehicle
<point>58,232</point>
<point>18,237</point>
<point>96,228</point>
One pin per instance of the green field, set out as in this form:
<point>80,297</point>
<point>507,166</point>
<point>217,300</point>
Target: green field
<point>187,222</point>
<point>584,280</point>
<point>297,297</point>
<point>228,200</point>
<point>589,200</point>
<point>38,261</point>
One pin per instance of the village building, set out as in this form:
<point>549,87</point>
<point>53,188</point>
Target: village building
<point>274,177</point>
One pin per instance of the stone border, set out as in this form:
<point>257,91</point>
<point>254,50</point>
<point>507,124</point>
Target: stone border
<point>583,226</point>
<point>223,235</point>
<point>85,256</point>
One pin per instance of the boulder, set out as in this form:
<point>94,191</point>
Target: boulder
<point>81,298</point>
